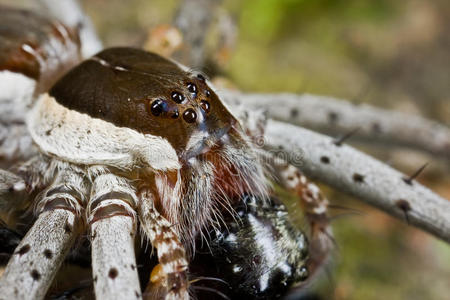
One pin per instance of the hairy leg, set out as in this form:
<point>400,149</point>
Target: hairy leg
<point>12,192</point>
<point>169,277</point>
<point>15,144</point>
<point>314,206</point>
<point>113,229</point>
<point>36,260</point>
<point>16,92</point>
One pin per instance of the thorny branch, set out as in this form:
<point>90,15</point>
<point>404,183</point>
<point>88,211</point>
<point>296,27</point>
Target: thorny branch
<point>333,116</point>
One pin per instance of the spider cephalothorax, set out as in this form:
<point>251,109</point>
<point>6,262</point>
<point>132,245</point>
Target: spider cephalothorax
<point>173,126</point>
<point>129,137</point>
<point>147,93</point>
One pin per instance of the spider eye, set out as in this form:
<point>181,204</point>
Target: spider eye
<point>201,77</point>
<point>192,88</point>
<point>158,107</point>
<point>205,106</point>
<point>175,114</point>
<point>190,115</point>
<point>178,97</point>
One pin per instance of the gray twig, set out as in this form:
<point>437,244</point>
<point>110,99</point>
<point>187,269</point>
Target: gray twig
<point>193,19</point>
<point>360,175</point>
<point>333,116</point>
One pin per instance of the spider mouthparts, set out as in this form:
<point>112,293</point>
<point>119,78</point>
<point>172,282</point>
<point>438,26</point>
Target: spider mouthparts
<point>203,142</point>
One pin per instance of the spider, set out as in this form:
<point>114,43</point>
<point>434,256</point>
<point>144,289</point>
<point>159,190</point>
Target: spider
<point>125,145</point>
<point>127,139</point>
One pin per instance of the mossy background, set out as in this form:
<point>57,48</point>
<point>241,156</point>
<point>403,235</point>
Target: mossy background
<point>389,53</point>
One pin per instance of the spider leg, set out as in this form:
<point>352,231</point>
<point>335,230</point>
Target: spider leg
<point>16,94</point>
<point>36,260</point>
<point>169,276</point>
<point>314,206</point>
<point>113,227</point>
<point>15,144</point>
<point>12,192</point>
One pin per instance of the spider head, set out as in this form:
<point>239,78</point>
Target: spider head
<point>150,94</point>
<point>190,115</point>
<point>131,109</point>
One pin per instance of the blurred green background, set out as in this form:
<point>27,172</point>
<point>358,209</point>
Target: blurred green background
<point>388,53</point>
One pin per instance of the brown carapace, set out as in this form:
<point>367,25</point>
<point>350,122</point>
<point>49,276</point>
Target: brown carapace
<point>148,93</point>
